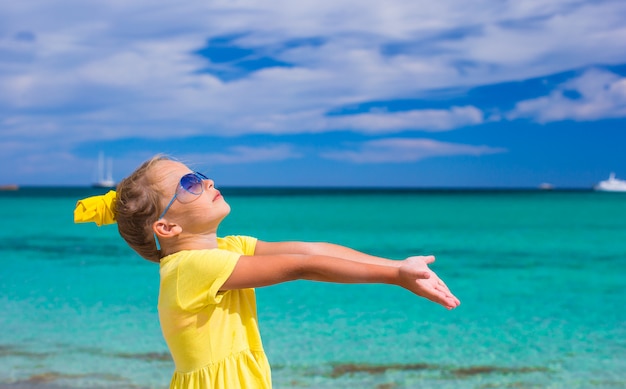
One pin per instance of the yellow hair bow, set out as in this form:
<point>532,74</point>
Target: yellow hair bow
<point>97,209</point>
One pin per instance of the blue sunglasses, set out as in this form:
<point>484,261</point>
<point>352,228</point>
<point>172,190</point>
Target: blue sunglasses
<point>190,184</point>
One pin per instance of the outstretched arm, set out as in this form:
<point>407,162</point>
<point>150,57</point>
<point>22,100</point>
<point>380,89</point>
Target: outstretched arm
<point>320,248</point>
<point>413,274</point>
<point>432,288</point>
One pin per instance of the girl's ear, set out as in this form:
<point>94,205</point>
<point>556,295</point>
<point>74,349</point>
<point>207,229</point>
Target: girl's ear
<point>163,229</point>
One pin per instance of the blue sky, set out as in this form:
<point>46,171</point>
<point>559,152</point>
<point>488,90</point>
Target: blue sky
<point>316,93</point>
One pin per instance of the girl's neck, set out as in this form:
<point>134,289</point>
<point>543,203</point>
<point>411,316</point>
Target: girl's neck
<point>190,242</point>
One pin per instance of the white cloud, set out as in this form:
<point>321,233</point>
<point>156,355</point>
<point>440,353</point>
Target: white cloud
<point>427,119</point>
<point>116,62</point>
<point>596,94</point>
<point>398,150</point>
<point>247,154</point>
<point>73,71</point>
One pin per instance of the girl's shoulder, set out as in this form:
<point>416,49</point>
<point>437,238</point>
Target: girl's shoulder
<point>240,244</point>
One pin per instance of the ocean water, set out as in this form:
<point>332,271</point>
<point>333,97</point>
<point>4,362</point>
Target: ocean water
<point>541,277</point>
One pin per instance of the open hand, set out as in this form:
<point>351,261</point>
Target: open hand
<point>416,277</point>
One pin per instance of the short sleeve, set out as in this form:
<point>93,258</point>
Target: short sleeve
<point>244,245</point>
<point>201,275</point>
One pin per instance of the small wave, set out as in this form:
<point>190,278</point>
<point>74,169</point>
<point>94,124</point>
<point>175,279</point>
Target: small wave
<point>13,351</point>
<point>339,370</point>
<point>150,356</point>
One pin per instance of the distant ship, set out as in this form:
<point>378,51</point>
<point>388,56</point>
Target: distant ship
<point>105,173</point>
<point>611,185</point>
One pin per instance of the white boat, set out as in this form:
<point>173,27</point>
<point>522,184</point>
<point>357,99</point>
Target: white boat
<point>105,173</point>
<point>611,185</point>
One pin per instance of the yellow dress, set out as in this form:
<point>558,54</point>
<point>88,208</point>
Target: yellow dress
<point>213,336</point>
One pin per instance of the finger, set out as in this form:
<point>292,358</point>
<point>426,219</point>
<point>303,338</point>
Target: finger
<point>429,259</point>
<point>438,284</point>
<point>432,293</point>
<point>444,287</point>
<point>445,299</point>
<point>441,285</point>
<point>450,302</point>
<point>448,294</point>
<point>436,292</point>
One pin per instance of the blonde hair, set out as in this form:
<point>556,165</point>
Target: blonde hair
<point>137,207</point>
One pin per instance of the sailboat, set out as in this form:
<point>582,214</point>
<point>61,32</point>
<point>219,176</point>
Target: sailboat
<point>105,173</point>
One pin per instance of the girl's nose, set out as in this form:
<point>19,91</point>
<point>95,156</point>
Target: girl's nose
<point>210,183</point>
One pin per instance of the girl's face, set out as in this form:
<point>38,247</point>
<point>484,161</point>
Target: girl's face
<point>195,213</point>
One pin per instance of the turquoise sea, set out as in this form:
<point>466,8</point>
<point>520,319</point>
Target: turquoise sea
<point>541,276</point>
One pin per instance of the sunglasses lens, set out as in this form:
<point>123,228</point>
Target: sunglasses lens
<point>191,183</point>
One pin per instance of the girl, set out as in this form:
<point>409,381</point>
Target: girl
<point>207,310</point>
